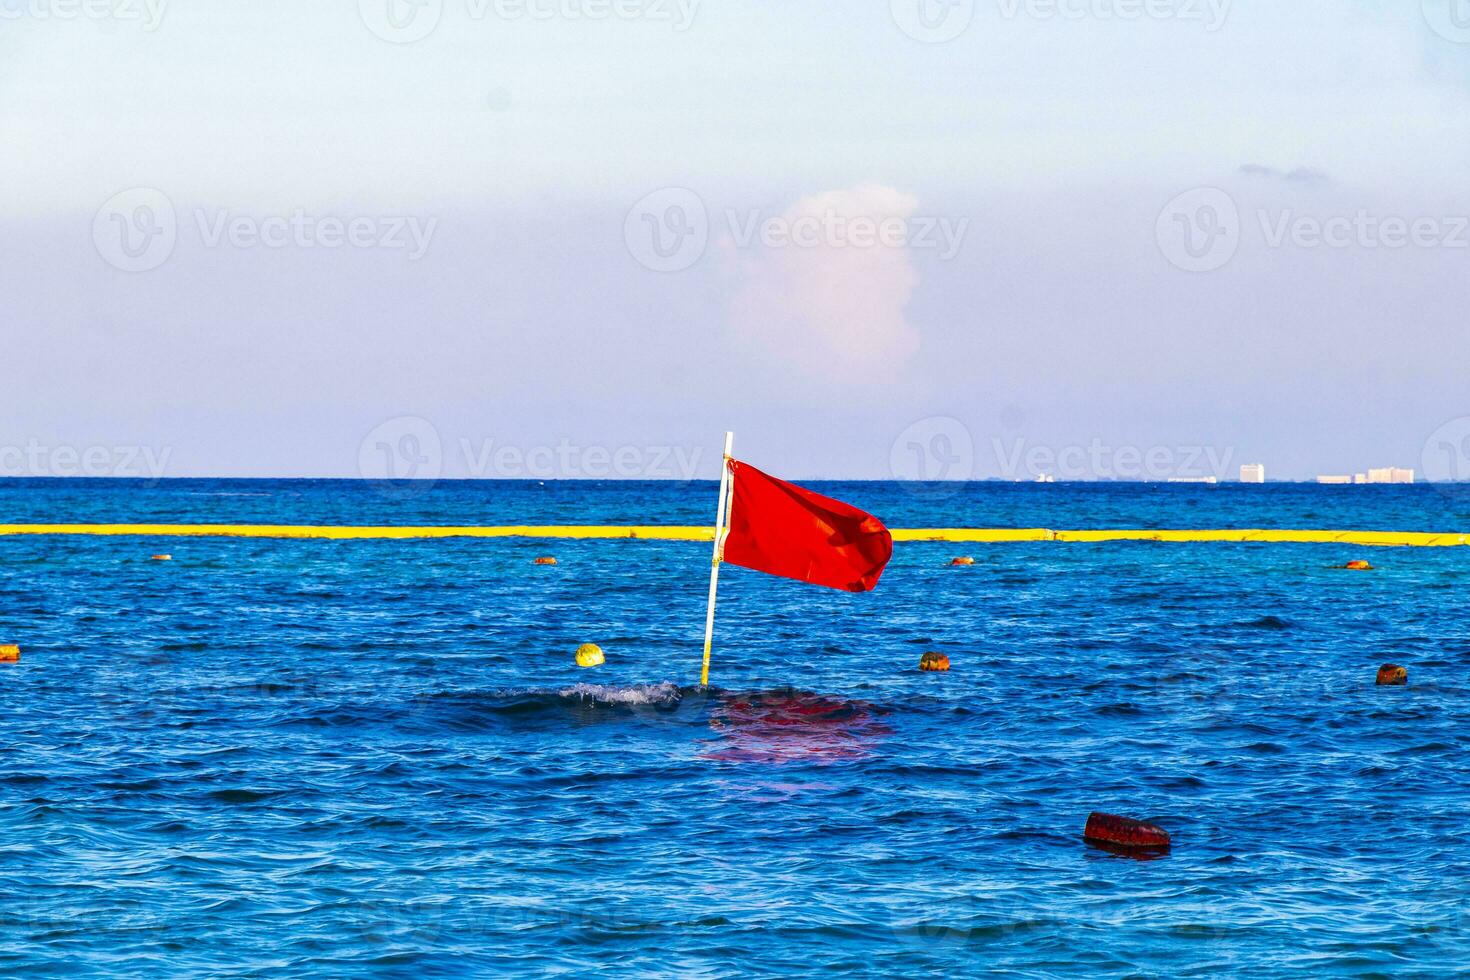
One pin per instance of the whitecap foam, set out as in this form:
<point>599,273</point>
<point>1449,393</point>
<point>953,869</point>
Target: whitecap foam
<point>662,693</point>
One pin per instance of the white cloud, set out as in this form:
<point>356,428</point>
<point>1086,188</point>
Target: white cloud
<point>824,286</point>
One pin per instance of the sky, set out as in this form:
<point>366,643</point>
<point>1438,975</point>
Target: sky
<point>1097,239</point>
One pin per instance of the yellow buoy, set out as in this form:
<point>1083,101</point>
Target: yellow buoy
<point>546,561</point>
<point>590,655</point>
<point>9,654</point>
<point>1358,565</point>
<point>162,558</point>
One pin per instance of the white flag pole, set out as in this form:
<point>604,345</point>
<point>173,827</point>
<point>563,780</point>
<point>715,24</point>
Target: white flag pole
<point>714,571</point>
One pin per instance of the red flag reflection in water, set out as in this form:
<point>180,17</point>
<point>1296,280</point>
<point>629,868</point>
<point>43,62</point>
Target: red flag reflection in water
<point>793,727</point>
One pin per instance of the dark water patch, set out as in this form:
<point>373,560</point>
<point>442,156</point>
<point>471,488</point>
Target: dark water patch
<point>1120,710</point>
<point>1183,783</point>
<point>237,797</point>
<point>1429,748</point>
<point>1267,623</point>
<point>1266,748</point>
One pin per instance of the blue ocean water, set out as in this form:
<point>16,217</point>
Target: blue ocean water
<point>271,758</point>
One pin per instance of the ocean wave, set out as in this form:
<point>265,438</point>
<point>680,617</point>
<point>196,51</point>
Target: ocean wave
<point>665,692</point>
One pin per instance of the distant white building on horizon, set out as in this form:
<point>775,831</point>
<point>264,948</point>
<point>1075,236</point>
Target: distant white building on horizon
<point>1387,474</point>
<point>1253,473</point>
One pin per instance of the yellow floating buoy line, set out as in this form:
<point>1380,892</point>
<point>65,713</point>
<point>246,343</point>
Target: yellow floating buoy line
<point>1405,539</point>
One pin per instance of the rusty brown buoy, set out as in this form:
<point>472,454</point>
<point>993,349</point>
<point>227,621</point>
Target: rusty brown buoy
<point>934,662</point>
<point>962,562</point>
<point>1113,831</point>
<point>1392,675</point>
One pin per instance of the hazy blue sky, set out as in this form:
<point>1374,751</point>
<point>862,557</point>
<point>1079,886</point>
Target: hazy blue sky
<point>632,224</point>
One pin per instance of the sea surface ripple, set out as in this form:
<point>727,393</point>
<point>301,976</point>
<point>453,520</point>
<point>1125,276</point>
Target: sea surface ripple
<point>276,758</point>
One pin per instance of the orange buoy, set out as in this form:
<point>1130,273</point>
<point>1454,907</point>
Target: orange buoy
<point>962,562</point>
<point>9,654</point>
<point>1358,565</point>
<point>546,561</point>
<point>162,558</point>
<point>1392,675</point>
<point>934,662</point>
<point>1124,832</point>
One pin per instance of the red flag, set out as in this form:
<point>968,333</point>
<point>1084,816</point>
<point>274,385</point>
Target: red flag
<point>782,529</point>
